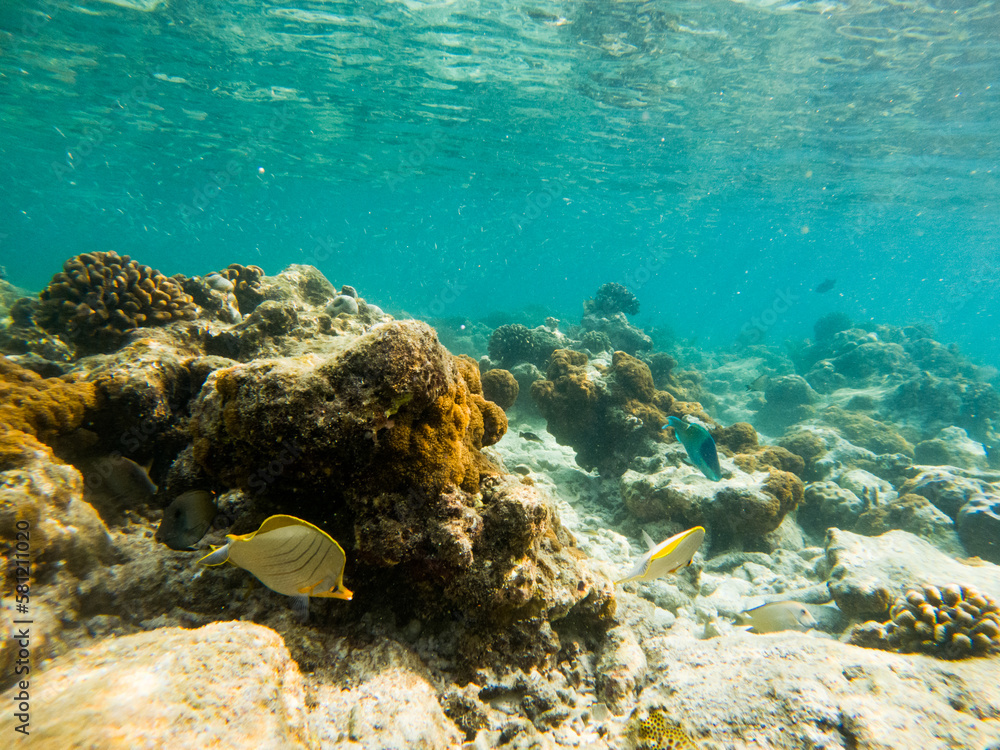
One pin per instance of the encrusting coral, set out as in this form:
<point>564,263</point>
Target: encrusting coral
<point>99,296</point>
<point>951,622</point>
<point>35,410</point>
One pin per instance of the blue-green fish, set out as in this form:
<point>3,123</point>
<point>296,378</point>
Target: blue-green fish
<point>699,445</point>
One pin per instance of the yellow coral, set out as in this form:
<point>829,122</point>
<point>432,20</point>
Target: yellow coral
<point>34,410</point>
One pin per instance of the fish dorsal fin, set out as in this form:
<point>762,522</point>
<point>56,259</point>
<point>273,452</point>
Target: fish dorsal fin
<point>649,540</point>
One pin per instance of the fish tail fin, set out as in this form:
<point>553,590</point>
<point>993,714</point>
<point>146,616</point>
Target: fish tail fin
<point>648,539</point>
<point>217,556</point>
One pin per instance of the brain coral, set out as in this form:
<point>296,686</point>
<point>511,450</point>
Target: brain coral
<point>99,296</point>
<point>34,409</point>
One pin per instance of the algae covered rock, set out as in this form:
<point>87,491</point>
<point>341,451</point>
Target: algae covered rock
<point>914,514</point>
<point>793,691</point>
<point>979,526</point>
<point>742,508</point>
<point>787,399</point>
<point>825,504</point>
<point>390,410</point>
<point>607,414</point>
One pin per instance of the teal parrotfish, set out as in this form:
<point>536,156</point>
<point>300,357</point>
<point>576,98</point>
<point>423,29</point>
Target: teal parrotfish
<point>288,555</point>
<point>699,445</point>
<point>777,616</point>
<point>666,557</point>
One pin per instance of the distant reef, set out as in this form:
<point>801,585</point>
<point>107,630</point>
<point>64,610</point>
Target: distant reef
<point>488,482</point>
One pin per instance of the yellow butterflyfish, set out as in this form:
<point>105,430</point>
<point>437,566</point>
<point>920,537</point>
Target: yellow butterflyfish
<point>288,555</point>
<point>667,556</point>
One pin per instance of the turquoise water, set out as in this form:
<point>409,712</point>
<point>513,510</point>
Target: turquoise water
<point>453,159</point>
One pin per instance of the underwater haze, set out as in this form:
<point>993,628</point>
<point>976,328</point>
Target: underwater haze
<point>457,158</point>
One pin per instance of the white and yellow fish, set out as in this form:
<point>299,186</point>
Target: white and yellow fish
<point>667,556</point>
<point>777,616</point>
<point>288,555</point>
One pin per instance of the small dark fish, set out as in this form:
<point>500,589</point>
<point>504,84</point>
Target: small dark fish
<point>759,383</point>
<point>121,480</point>
<point>187,519</point>
<point>530,436</point>
<point>826,286</point>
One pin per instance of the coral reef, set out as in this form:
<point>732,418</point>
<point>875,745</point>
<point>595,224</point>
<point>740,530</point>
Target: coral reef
<point>612,298</point>
<point>99,296</point>
<point>500,387</point>
<point>245,282</point>
<point>513,344</point>
<point>951,622</point>
<point>384,437</point>
<point>608,415</point>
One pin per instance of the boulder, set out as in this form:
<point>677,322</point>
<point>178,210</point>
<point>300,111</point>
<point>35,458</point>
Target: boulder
<point>792,691</point>
<point>868,573</point>
<point>979,526</point>
<point>229,684</point>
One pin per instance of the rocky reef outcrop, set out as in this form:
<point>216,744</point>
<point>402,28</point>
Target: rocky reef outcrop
<point>608,412</point>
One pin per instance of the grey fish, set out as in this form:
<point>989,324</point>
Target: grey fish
<point>825,286</point>
<point>187,519</point>
<point>530,436</point>
<point>121,480</point>
<point>759,383</point>
<point>777,616</point>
